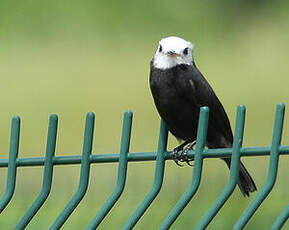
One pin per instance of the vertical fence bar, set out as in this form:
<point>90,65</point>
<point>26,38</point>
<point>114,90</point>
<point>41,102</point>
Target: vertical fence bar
<point>84,174</point>
<point>122,169</point>
<point>272,173</point>
<point>12,167</point>
<point>47,176</point>
<point>158,180</point>
<point>281,220</point>
<point>198,164</point>
<point>234,170</point>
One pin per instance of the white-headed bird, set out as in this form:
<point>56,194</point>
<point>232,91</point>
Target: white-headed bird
<point>179,91</point>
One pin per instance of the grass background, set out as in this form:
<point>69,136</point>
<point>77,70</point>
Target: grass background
<point>71,57</point>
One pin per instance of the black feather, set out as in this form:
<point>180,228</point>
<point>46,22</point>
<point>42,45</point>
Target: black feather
<point>179,93</point>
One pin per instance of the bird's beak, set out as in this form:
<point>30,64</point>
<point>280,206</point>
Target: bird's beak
<point>173,54</point>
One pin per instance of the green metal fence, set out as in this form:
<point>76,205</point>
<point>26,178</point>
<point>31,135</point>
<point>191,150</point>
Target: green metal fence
<point>87,158</point>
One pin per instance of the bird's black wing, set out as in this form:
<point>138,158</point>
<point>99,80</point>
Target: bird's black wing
<point>192,85</point>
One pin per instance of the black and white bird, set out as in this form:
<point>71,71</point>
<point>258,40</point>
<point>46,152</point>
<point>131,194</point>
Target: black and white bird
<point>179,91</point>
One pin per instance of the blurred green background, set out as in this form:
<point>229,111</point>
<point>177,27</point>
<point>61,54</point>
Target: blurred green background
<point>71,57</point>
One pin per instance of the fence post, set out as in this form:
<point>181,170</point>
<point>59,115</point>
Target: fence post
<point>272,173</point>
<point>84,174</point>
<point>122,168</point>
<point>12,166</point>
<point>198,164</point>
<point>158,180</point>
<point>281,220</point>
<point>47,176</point>
<point>234,170</point>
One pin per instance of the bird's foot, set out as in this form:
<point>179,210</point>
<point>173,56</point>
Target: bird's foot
<point>183,157</point>
<point>175,156</point>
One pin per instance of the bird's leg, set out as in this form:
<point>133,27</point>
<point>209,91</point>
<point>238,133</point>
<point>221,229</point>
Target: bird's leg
<point>175,156</point>
<point>184,154</point>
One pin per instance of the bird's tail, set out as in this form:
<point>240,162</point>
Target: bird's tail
<point>245,181</point>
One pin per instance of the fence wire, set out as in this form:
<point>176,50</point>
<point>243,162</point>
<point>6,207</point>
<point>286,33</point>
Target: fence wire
<point>160,157</point>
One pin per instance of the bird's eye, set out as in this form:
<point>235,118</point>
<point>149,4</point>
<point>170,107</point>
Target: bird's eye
<point>186,51</point>
<point>160,48</point>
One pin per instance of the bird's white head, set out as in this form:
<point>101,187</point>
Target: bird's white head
<point>173,51</point>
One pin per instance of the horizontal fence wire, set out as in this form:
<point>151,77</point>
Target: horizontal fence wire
<point>142,156</point>
<point>160,157</point>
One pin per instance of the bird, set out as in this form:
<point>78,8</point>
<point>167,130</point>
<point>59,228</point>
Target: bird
<point>179,90</point>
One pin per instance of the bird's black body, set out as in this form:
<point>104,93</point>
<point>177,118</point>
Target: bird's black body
<point>179,93</point>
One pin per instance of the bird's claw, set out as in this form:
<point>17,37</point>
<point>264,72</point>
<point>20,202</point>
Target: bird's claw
<point>176,157</point>
<point>183,157</point>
